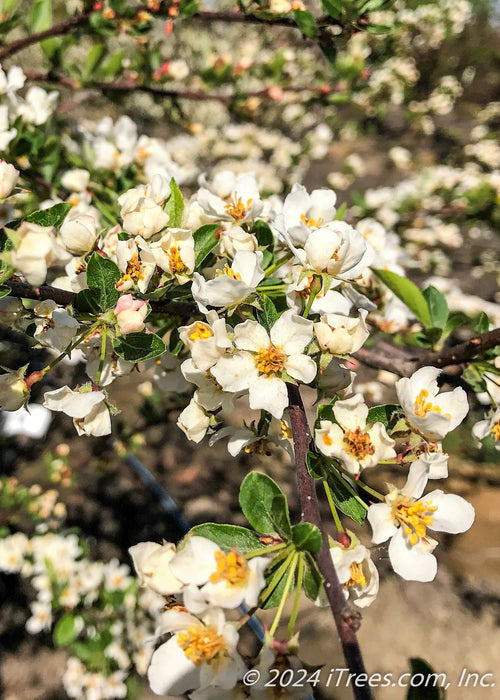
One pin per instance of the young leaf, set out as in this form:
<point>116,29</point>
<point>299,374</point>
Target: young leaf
<point>264,505</point>
<point>438,306</point>
<point>174,206</point>
<point>205,241</point>
<point>325,412</point>
<point>229,536</point>
<point>274,599</point>
<point>102,275</point>
<point>307,537</point>
<point>305,22</point>
<point>65,631</point>
<point>269,315</point>
<point>50,217</point>
<point>409,294</point>
<point>135,347</point>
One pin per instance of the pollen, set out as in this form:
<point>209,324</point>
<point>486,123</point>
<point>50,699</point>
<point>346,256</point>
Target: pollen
<point>201,644</point>
<point>327,439</point>
<point>422,406</point>
<point>176,263</point>
<point>285,430</point>
<point>415,517</point>
<point>230,567</point>
<point>134,270</point>
<point>358,443</point>
<point>311,222</point>
<point>357,576</point>
<point>270,360</point>
<point>229,272</point>
<point>200,332</point>
<point>237,209</point>
<point>495,431</point>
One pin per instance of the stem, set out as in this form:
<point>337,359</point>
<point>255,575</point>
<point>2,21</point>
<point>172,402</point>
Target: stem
<point>310,513</point>
<point>369,489</point>
<point>298,591</point>
<point>103,354</point>
<point>265,550</point>
<point>314,290</point>
<point>284,597</point>
<point>333,508</point>
<point>275,266</point>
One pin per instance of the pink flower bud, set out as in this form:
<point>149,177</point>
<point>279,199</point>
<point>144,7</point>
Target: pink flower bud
<point>130,314</point>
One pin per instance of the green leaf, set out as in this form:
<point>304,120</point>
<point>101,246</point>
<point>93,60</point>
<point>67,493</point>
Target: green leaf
<point>314,465</point>
<point>482,323</point>
<point>40,16</point>
<point>174,206</point>
<point>305,22</point>
<point>274,599</point>
<point>264,505</point>
<point>428,679</point>
<point>102,275</point>
<point>269,315</point>
<point>307,537</point>
<point>408,292</point>
<point>325,412</point>
<point>205,241</point>
<point>343,497</point>
<point>111,67</point>
<point>94,58</point>
<point>229,536</point>
<point>340,213</point>
<point>265,238</point>
<point>50,217</point>
<point>135,347</point>
<point>312,578</point>
<point>65,631</point>
<point>438,307</point>
<point>474,378</point>
<point>87,301</point>
<point>4,292</point>
<point>389,414</point>
<point>332,7</point>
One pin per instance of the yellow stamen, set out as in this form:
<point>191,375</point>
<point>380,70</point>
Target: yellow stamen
<point>201,644</point>
<point>327,439</point>
<point>311,222</point>
<point>495,431</point>
<point>422,407</point>
<point>270,360</point>
<point>200,332</point>
<point>237,209</point>
<point>414,516</point>
<point>358,443</point>
<point>229,272</point>
<point>357,576</point>
<point>134,269</point>
<point>176,264</point>
<point>232,568</point>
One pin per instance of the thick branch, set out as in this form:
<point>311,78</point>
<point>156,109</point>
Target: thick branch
<point>22,290</point>
<point>464,352</point>
<point>310,513</point>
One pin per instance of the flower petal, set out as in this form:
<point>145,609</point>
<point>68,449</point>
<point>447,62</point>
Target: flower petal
<point>454,514</point>
<point>411,563</point>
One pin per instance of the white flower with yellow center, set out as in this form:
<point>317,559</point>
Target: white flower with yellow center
<point>356,571</point>
<point>209,394</point>
<point>142,208</point>
<point>137,264</point>
<point>429,413</point>
<point>405,517</point>
<point>234,238</point>
<point>201,653</point>
<point>194,421</point>
<point>232,284</point>
<point>242,204</point>
<point>36,250</point>
<point>302,212</point>
<point>350,440</point>
<point>207,342</point>
<point>152,564</point>
<point>489,427</point>
<point>339,334</point>
<point>264,359</point>
<point>174,253</point>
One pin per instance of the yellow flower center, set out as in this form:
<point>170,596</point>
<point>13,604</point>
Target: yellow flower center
<point>232,568</point>
<point>134,270</point>
<point>236,209</point>
<point>201,644</point>
<point>229,272</point>
<point>310,222</point>
<point>285,430</point>
<point>213,380</point>
<point>495,431</point>
<point>74,199</point>
<point>415,517</point>
<point>422,406</point>
<point>357,576</point>
<point>200,332</point>
<point>270,360</point>
<point>358,443</point>
<point>176,263</point>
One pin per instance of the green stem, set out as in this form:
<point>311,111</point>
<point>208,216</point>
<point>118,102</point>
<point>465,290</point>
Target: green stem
<point>288,583</point>
<point>275,266</point>
<point>314,290</point>
<point>265,550</point>
<point>298,591</point>
<point>103,354</point>
<point>333,508</point>
<point>268,591</point>
<point>72,346</point>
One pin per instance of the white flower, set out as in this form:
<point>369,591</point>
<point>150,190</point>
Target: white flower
<point>174,253</point>
<point>208,342</point>
<point>488,427</point>
<point>76,180</point>
<point>263,360</point>
<point>79,235</point>
<point>41,617</point>
<point>37,105</point>
<point>209,394</point>
<point>243,203</point>
<point>340,334</point>
<point>13,391</point>
<point>201,652</point>
<point>36,250</point>
<point>405,517</point>
<point>357,573</point>
<point>194,421</point>
<point>234,238</point>
<point>141,208</point>
<point>436,462</point>
<point>55,328</point>
<point>113,365</point>
<point>303,212</point>
<point>137,263</point>
<point>356,445</point>
<point>231,285</point>
<point>431,414</point>
<point>13,81</point>
<point>8,178</point>
<point>152,564</point>
<point>226,580</point>
<point>298,292</point>
<point>130,314</point>
<point>87,408</point>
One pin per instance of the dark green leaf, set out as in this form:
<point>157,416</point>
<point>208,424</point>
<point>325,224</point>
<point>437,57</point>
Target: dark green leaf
<point>325,412</point>
<point>274,599</point>
<point>4,292</point>
<point>64,631</point>
<point>229,536</point>
<point>264,505</point>
<point>307,537</point>
<point>428,687</point>
<point>139,346</point>
<point>343,497</point>
<point>312,578</point>
<point>305,22</point>
<point>438,307</point>
<point>332,7</point>
<point>269,315</point>
<point>50,217</point>
<point>314,465</point>
<point>102,275</point>
<point>388,414</point>
<point>409,294</point>
<point>87,301</point>
<point>174,206</point>
<point>205,241</point>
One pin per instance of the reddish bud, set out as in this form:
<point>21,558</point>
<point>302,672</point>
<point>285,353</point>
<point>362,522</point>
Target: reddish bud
<point>344,539</point>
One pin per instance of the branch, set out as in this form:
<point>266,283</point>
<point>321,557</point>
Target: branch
<point>194,95</point>
<point>22,290</point>
<point>324,20</point>
<point>346,624</point>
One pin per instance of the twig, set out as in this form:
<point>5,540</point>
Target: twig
<point>346,624</point>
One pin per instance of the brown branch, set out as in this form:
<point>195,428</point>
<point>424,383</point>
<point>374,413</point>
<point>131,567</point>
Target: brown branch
<point>230,17</point>
<point>463,352</point>
<point>22,290</point>
<point>345,623</point>
<point>193,95</point>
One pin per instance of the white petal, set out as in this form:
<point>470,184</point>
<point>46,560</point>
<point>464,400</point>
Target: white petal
<point>454,514</point>
<point>351,413</point>
<point>411,563</point>
<point>196,561</point>
<point>74,403</point>
<point>292,332</point>
<point>301,367</point>
<point>171,672</point>
<point>251,336</point>
<point>381,521</point>
<point>269,394</point>
<point>235,373</point>
<point>417,479</point>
